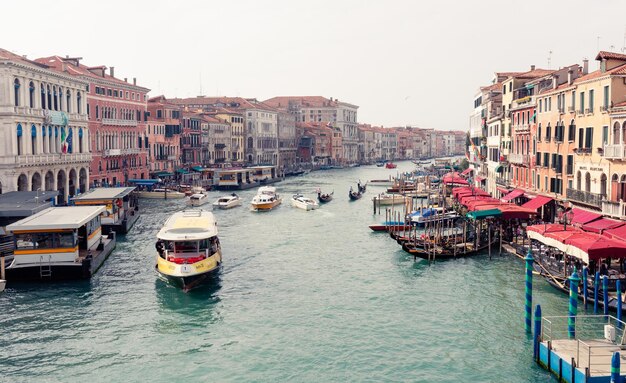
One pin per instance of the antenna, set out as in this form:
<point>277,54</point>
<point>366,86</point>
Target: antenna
<point>200,83</point>
<point>549,59</point>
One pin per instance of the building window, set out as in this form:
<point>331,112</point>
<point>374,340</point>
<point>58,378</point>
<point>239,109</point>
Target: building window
<point>591,93</point>
<point>581,138</point>
<point>33,141</point>
<point>582,102</point>
<point>588,138</point>
<point>78,103</point>
<point>605,135</point>
<point>606,97</point>
<point>19,139</point>
<point>31,95</point>
<point>16,90</point>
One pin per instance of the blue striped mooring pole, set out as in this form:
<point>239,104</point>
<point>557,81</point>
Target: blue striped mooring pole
<point>596,287</point>
<point>529,289</point>
<point>537,334</point>
<point>585,293</point>
<point>618,295</point>
<point>573,304</point>
<point>615,368</point>
<point>605,294</point>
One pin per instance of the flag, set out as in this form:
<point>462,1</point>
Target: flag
<point>534,116</point>
<point>63,143</point>
<point>69,142</point>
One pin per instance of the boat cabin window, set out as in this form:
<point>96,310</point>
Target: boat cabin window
<point>186,247</point>
<point>27,241</point>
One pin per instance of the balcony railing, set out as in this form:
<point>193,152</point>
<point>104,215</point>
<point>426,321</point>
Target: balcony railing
<point>587,198</point>
<point>121,152</point>
<point>118,122</point>
<point>615,151</point>
<point>45,159</point>
<point>502,181</point>
<point>522,159</point>
<point>171,158</point>
<point>522,128</point>
<point>614,209</point>
<point>220,146</point>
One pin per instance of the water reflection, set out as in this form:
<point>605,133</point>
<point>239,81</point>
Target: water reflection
<point>201,298</point>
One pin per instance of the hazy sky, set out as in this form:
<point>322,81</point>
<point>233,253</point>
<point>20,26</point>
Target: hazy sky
<point>402,62</point>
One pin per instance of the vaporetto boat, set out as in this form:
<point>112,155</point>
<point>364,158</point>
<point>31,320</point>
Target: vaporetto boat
<point>160,193</point>
<point>188,249</point>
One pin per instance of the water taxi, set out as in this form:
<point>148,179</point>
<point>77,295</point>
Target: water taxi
<point>121,211</point>
<point>390,165</point>
<point>266,199</point>
<point>59,243</point>
<point>197,199</point>
<point>227,202</point>
<point>188,249</point>
<point>304,203</point>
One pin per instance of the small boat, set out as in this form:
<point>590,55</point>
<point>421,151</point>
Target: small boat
<point>390,199</point>
<point>380,164</point>
<point>362,188</point>
<point>388,182</point>
<point>438,214</point>
<point>197,199</point>
<point>160,193</point>
<point>324,198</point>
<point>227,202</point>
<point>266,199</point>
<point>326,167</point>
<point>3,284</point>
<point>389,225</point>
<point>188,249</point>
<point>354,195</point>
<point>304,203</point>
<point>390,165</point>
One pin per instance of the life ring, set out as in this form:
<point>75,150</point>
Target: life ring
<point>119,203</point>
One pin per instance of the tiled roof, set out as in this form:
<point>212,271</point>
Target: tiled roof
<point>610,55</point>
<point>507,74</point>
<point>492,87</point>
<point>233,103</point>
<point>57,62</point>
<point>305,101</point>
<point>535,73</point>
<point>618,70</point>
<point>7,55</point>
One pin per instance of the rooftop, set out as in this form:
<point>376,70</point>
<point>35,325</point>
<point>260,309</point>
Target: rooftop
<point>23,204</point>
<point>53,218</point>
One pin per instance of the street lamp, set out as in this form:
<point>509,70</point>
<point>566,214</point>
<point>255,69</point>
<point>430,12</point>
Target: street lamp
<point>565,215</point>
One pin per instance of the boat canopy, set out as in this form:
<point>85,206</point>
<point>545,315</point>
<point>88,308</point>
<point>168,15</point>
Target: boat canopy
<point>189,225</point>
<point>537,202</point>
<point>55,218</point>
<point>484,214</point>
<point>105,194</point>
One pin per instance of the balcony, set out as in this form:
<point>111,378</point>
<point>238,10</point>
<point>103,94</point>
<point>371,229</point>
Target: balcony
<point>614,209</point>
<point>582,150</point>
<point>502,181</point>
<point>522,128</point>
<point>171,158</point>
<point>118,122</point>
<point>615,152</point>
<point>50,159</point>
<point>520,159</point>
<point>220,146</point>
<point>120,152</point>
<point>587,198</point>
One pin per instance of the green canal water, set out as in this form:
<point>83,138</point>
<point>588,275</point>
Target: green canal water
<point>303,296</point>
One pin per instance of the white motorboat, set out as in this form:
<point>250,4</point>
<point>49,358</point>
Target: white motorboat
<point>390,199</point>
<point>266,199</point>
<point>160,194</point>
<point>427,215</point>
<point>227,202</point>
<point>3,284</point>
<point>197,199</point>
<point>302,202</point>
<point>188,249</point>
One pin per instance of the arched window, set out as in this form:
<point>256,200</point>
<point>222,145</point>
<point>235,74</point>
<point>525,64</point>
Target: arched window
<point>55,97</point>
<point>587,182</point>
<point>616,133</point>
<point>539,132</point>
<point>33,141</point>
<point>31,95</point>
<point>624,132</point>
<point>16,89</point>
<point>18,133</point>
<point>49,93</point>
<point>43,96</point>
<point>78,103</point>
<point>578,180</point>
<point>68,101</point>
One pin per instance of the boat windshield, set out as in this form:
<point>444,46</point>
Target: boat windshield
<point>207,246</point>
<point>45,240</point>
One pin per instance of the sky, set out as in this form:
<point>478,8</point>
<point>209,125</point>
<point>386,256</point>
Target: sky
<point>403,62</point>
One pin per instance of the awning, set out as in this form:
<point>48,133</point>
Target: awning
<point>583,216</point>
<point>499,168</point>
<point>164,174</point>
<point>537,202</point>
<point>467,171</point>
<point>514,194</point>
<point>479,179</point>
<point>484,214</point>
<point>616,233</point>
<point>197,168</point>
<point>503,190</point>
<point>589,246</point>
<point>182,171</point>
<point>599,225</point>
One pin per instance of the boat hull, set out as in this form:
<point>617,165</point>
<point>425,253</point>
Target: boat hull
<point>188,276</point>
<point>160,195</point>
<point>265,206</point>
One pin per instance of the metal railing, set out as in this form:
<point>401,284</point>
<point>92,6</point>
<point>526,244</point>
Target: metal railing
<point>614,209</point>
<point>517,158</point>
<point>617,151</point>
<point>44,159</point>
<point>118,122</point>
<point>585,197</point>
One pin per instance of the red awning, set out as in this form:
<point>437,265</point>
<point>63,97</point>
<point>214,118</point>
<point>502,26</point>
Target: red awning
<point>454,180</point>
<point>583,216</point>
<point>597,246</point>
<point>509,211</point>
<point>502,190</point>
<point>550,227</point>
<point>616,233</point>
<point>537,202</point>
<point>467,171</point>
<point>514,194</point>
<point>599,225</point>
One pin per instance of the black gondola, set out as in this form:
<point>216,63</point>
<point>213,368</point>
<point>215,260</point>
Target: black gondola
<point>362,188</point>
<point>325,198</point>
<point>355,195</point>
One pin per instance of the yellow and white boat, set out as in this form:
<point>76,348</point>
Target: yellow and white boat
<point>266,199</point>
<point>188,249</point>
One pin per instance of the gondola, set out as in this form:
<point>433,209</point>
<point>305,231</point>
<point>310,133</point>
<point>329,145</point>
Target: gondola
<point>325,198</point>
<point>354,195</point>
<point>362,188</point>
<point>442,253</point>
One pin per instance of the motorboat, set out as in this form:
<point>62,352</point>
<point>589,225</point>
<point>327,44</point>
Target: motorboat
<point>188,249</point>
<point>197,199</point>
<point>304,203</point>
<point>429,215</point>
<point>385,199</point>
<point>160,193</point>
<point>59,243</point>
<point>390,165</point>
<point>227,202</point>
<point>266,199</point>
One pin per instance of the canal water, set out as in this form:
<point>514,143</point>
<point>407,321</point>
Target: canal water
<point>303,296</point>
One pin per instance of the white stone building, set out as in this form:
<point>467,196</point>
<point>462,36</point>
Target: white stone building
<point>44,132</point>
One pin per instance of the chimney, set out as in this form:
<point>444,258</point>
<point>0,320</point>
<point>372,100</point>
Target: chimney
<point>125,79</point>
<point>112,71</point>
<point>555,81</point>
<point>532,67</point>
<point>64,66</point>
<point>134,80</point>
<point>570,76</point>
<point>585,66</point>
